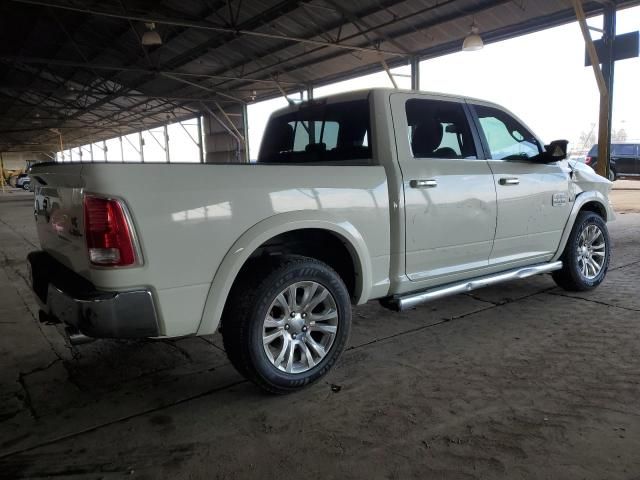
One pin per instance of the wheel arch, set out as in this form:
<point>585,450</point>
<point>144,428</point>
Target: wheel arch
<point>592,201</point>
<point>261,234</point>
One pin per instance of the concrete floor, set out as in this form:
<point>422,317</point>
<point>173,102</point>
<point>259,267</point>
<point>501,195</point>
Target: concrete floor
<point>519,381</point>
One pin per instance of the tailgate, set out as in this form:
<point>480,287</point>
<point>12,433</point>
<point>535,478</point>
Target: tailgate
<point>59,214</point>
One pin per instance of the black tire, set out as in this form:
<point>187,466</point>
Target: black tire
<point>26,186</point>
<point>252,298</point>
<point>612,175</point>
<point>571,277</point>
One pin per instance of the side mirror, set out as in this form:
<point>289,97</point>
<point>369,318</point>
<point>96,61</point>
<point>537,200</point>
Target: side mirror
<point>556,150</point>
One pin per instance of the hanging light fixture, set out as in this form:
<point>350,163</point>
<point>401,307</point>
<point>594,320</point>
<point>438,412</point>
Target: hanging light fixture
<point>473,41</point>
<point>151,36</point>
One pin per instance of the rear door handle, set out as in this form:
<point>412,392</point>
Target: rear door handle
<point>430,183</point>
<point>509,181</point>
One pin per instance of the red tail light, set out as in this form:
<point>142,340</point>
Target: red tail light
<point>107,232</point>
<point>588,160</point>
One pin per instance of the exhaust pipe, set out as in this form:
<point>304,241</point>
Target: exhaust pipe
<point>76,337</point>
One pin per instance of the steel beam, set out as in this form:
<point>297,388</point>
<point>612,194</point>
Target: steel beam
<point>205,25</point>
<point>28,60</point>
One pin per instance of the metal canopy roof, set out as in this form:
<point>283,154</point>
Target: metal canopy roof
<point>78,66</point>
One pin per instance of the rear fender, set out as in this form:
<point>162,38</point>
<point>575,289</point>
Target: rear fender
<point>267,229</point>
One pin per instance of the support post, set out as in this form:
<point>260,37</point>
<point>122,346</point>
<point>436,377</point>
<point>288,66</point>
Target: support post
<point>141,143</point>
<point>200,144</point>
<point>2,180</point>
<point>605,82</point>
<point>245,130</point>
<point>606,105</point>
<point>415,73</point>
<point>166,144</point>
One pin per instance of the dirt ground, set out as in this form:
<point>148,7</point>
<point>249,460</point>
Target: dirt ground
<point>520,381</point>
<point>626,196</point>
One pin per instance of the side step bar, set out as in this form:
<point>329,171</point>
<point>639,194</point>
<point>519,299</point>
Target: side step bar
<point>405,302</point>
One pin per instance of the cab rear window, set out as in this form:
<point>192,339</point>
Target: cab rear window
<point>319,133</point>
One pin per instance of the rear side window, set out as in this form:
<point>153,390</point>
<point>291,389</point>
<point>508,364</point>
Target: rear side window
<point>438,129</point>
<point>623,149</point>
<point>507,138</point>
<point>318,133</point>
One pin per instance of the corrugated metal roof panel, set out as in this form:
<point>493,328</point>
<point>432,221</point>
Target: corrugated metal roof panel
<point>82,62</point>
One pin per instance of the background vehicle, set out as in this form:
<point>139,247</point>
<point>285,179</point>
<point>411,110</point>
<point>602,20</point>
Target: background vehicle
<point>23,181</point>
<point>625,160</point>
<point>392,195</point>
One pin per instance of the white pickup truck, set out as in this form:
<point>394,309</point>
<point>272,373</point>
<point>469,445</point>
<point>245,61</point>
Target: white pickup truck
<point>381,194</point>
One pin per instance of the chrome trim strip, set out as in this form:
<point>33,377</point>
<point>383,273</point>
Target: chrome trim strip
<point>412,300</point>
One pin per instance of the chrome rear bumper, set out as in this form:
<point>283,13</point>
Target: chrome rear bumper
<point>69,298</point>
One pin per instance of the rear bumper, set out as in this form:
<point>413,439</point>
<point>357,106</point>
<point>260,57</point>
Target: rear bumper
<point>71,299</point>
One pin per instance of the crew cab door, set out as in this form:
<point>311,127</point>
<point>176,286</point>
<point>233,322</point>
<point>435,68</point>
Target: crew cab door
<point>534,199</point>
<point>449,196</point>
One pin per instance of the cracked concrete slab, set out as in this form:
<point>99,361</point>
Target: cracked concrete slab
<point>620,289</point>
<point>443,400</point>
<point>519,380</point>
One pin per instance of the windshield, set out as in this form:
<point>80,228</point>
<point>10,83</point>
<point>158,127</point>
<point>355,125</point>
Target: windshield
<point>319,133</point>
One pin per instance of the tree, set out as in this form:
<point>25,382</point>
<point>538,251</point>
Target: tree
<point>619,135</point>
<point>587,139</point>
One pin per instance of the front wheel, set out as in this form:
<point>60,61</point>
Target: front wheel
<point>612,175</point>
<point>286,324</point>
<point>586,256</point>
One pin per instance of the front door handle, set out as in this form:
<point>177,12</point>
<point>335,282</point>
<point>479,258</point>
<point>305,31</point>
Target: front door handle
<point>510,181</point>
<point>430,183</point>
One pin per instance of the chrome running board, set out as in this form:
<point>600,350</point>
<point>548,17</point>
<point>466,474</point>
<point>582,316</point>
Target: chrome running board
<point>404,302</point>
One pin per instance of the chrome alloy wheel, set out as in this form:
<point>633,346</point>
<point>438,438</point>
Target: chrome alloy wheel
<point>591,251</point>
<point>300,327</point>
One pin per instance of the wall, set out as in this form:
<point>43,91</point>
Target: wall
<point>18,160</point>
<point>221,141</point>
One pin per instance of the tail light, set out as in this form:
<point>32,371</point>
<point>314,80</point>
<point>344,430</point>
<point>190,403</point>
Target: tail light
<point>108,233</point>
<point>588,160</point>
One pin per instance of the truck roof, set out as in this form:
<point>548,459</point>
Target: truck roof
<point>364,93</point>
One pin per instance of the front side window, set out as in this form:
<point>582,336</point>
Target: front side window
<point>438,129</point>
<point>507,138</point>
<point>318,133</point>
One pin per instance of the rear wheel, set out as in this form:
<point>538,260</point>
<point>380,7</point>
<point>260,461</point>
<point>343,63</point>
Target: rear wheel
<point>286,324</point>
<point>586,256</point>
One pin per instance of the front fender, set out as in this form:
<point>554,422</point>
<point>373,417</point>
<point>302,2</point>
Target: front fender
<point>581,200</point>
<point>266,229</point>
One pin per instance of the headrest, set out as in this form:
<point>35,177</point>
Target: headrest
<point>427,136</point>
